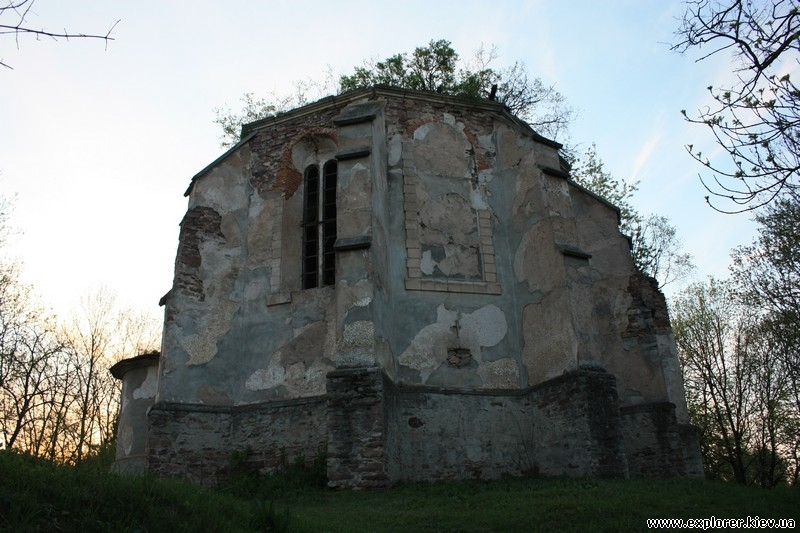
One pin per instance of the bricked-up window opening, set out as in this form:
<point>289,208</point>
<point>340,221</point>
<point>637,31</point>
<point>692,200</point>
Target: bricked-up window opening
<point>319,226</point>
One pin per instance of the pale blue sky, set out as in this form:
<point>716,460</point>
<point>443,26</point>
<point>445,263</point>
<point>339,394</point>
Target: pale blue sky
<point>99,143</point>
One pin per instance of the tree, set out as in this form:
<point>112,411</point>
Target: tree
<point>435,68</point>
<point>655,246</point>
<point>96,338</point>
<point>28,348</point>
<point>737,386</point>
<point>14,21</point>
<point>712,341</point>
<point>57,397</point>
<point>755,118</point>
<point>767,277</point>
<point>657,251</point>
<point>767,272</point>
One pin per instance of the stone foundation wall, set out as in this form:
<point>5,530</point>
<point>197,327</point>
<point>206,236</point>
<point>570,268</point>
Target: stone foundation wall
<point>199,443</point>
<point>376,433</point>
<point>566,426</point>
<point>656,445</point>
<point>357,429</point>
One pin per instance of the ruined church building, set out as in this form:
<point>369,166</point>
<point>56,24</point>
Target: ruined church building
<point>411,285</point>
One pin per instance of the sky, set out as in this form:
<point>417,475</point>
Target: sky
<point>98,142</point>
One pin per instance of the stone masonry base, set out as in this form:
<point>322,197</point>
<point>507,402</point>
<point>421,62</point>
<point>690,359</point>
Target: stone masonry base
<point>375,433</point>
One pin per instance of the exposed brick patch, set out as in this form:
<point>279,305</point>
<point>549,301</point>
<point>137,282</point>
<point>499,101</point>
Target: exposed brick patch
<point>272,168</point>
<point>201,224</point>
<point>648,313</point>
<point>288,179</point>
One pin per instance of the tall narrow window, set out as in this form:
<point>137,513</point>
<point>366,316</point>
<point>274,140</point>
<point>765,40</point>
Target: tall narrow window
<point>329,223</point>
<point>319,226</point>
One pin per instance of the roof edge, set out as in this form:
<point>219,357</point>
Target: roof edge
<point>340,101</point>
<point>123,367</point>
<point>373,92</point>
<point>217,161</point>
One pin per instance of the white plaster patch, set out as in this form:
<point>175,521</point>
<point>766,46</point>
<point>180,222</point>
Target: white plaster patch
<point>297,379</point>
<point>395,150</point>
<point>459,260</point>
<point>426,263</point>
<point>149,386</point>
<point>422,354</point>
<point>484,327</point>
<point>202,347</point>
<point>358,295</point>
<point>267,378</point>
<point>312,150</point>
<point>125,438</point>
<point>256,289</point>
<point>477,198</point>
<point>488,324</point>
<point>422,132</point>
<point>521,258</point>
<point>363,302</point>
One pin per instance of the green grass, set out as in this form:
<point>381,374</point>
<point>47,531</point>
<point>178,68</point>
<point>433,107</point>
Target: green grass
<point>38,496</point>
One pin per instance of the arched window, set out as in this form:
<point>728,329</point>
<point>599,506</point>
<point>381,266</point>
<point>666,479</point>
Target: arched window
<point>319,226</point>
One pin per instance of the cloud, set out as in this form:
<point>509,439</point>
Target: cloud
<point>645,154</point>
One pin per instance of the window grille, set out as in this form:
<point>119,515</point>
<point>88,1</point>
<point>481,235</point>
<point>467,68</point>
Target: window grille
<point>319,226</point>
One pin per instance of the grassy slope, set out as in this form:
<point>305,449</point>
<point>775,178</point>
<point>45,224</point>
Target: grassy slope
<point>36,496</point>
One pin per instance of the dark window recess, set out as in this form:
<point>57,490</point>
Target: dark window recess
<point>329,223</point>
<point>319,226</point>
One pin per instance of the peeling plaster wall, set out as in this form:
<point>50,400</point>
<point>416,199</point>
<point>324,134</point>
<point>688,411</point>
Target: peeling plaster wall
<point>471,276</point>
<point>138,394</point>
<point>238,330</point>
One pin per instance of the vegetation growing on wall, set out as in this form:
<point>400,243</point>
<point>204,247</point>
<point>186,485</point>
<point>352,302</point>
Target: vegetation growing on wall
<point>437,68</point>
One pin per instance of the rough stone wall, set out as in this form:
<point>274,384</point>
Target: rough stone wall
<point>656,445</point>
<point>578,426</point>
<point>357,429</point>
<point>200,443</point>
<point>567,426</point>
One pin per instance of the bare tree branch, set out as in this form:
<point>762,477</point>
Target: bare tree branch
<point>19,11</point>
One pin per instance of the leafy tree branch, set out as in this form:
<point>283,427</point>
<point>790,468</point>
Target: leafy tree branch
<point>755,118</point>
